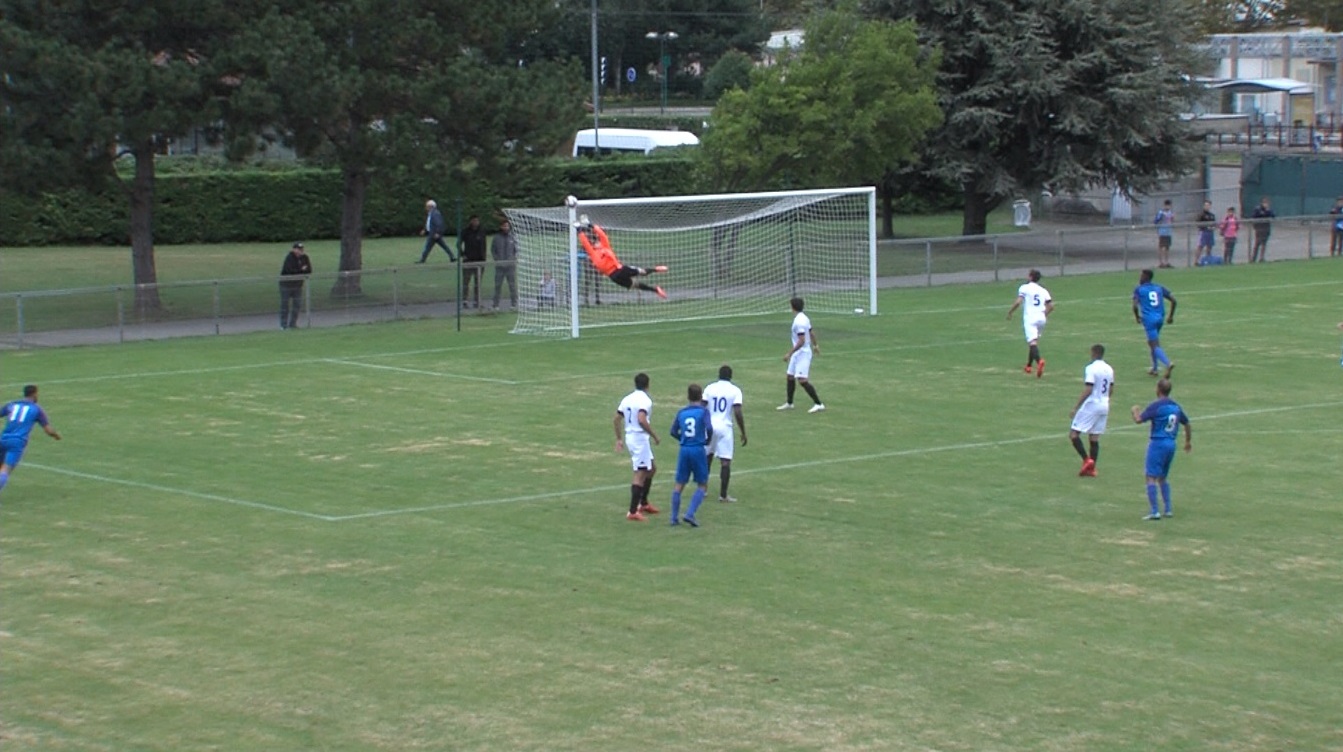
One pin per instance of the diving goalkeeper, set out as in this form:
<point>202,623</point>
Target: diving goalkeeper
<point>598,248</point>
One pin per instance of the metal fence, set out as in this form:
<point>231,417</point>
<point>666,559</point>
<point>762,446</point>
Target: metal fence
<point>228,306</point>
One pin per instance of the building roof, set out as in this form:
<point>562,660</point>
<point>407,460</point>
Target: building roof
<point>1263,85</point>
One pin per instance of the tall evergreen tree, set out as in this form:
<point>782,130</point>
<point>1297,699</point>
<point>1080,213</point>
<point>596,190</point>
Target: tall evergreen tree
<point>434,85</point>
<point>85,84</point>
<point>1057,93</point>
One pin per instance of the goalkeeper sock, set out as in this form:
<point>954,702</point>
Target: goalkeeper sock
<point>792,389</point>
<point>811,392</point>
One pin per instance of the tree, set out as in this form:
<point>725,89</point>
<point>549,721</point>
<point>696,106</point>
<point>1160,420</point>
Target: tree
<point>1058,93</point>
<point>423,84</point>
<point>854,104</point>
<point>732,71</point>
<point>84,86</point>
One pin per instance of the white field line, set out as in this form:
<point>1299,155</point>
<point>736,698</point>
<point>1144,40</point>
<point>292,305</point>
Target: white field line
<point>178,492</point>
<point>913,452</point>
<point>419,371</point>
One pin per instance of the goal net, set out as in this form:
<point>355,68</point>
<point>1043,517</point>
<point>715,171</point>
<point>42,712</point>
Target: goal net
<point>726,255</point>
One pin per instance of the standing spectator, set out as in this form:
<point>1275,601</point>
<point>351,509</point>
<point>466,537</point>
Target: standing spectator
<point>692,428</point>
<point>297,267</point>
<point>799,358</point>
<point>723,398</point>
<point>434,227</point>
<point>1034,316</point>
<point>472,247</point>
<point>504,250</point>
<point>1262,228</point>
<point>1149,309</point>
<point>1336,222</point>
<point>20,417</point>
<point>1229,228</point>
<point>1165,232</point>
<point>633,432</point>
<point>1166,418</point>
<point>1092,409</point>
<point>1207,222</point>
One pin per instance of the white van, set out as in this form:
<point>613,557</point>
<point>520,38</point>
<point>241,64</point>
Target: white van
<point>629,141</point>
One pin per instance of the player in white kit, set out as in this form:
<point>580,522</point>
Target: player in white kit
<point>724,399</point>
<point>1092,409</point>
<point>1036,306</point>
<point>799,358</point>
<point>633,432</point>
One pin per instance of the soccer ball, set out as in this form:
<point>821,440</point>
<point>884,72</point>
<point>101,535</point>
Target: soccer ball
<point>571,201</point>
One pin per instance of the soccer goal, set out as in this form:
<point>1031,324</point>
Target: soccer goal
<point>726,255</point>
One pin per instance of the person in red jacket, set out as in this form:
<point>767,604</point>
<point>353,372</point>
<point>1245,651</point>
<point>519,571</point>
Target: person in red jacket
<point>598,248</point>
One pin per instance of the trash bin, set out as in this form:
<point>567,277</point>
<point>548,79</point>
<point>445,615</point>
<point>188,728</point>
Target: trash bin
<point>1021,213</point>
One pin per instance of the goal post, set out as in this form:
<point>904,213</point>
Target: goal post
<point>736,254</point>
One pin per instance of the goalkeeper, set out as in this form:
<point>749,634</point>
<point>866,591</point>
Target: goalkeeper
<point>598,248</point>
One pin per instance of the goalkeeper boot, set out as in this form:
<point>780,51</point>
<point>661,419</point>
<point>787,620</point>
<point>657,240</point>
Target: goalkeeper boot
<point>661,293</point>
<point>659,268</point>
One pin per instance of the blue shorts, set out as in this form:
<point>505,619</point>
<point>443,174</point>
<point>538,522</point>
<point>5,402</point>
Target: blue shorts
<point>1153,329</point>
<point>692,461</point>
<point>1205,239</point>
<point>1159,456</point>
<point>13,453</point>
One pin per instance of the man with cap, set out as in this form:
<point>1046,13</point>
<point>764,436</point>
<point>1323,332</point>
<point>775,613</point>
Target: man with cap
<point>297,267</point>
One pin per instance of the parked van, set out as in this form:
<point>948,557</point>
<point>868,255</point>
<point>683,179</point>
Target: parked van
<point>629,141</point>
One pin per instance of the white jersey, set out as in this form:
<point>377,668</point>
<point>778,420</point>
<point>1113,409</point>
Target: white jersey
<point>802,328</point>
<point>635,402</point>
<point>1033,297</point>
<point>721,396</point>
<point>1101,377</point>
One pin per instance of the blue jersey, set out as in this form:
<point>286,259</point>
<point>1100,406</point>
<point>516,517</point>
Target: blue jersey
<point>20,417</point>
<point>692,426</point>
<point>1151,300</point>
<point>1166,417</point>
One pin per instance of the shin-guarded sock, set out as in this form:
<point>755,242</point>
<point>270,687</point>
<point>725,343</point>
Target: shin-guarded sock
<point>1034,355</point>
<point>1151,497</point>
<point>695,501</point>
<point>792,389</point>
<point>811,392</point>
<point>1081,450</point>
<point>723,475</point>
<point>676,506</point>
<point>1165,496</point>
<point>647,486</point>
<point>1095,451</point>
<point>4,478</point>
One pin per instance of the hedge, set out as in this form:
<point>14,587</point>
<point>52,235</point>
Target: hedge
<point>269,205</point>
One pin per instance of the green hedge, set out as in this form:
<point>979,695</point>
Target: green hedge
<point>269,205</point>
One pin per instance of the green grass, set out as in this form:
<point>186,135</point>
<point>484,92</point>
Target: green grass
<point>395,537</point>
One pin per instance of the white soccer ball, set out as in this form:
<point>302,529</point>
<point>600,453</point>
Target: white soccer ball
<point>571,201</point>
<point>858,310</point>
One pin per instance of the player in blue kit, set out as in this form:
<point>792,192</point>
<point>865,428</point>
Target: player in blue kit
<point>20,417</point>
<point>1166,418</point>
<point>1149,309</point>
<point>692,427</point>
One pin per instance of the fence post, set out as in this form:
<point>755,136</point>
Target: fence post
<point>121,316</point>
<point>215,285</point>
<point>995,258</point>
<point>1059,234</point>
<point>1310,240</point>
<point>928,261</point>
<point>18,312</point>
<point>1127,233</point>
<point>307,304</point>
<point>396,295</point>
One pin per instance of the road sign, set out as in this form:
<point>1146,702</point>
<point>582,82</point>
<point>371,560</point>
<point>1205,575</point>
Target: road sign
<point>630,75</point>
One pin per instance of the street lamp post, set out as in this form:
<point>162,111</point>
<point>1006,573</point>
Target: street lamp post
<point>663,37</point>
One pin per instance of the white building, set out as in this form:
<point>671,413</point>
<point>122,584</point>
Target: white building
<point>1309,57</point>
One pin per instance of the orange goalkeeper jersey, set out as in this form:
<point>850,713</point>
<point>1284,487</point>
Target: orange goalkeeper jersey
<point>602,257</point>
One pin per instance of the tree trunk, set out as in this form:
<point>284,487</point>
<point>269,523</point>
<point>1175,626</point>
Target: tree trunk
<point>142,230</point>
<point>351,234</point>
<point>975,219</point>
<point>887,214</point>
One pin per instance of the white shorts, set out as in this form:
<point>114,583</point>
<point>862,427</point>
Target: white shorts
<point>641,451</point>
<point>721,446</point>
<point>1091,419</point>
<point>1033,329</point>
<point>799,366</point>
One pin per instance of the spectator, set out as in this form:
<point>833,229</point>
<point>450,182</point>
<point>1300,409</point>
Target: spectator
<point>1207,222</point>
<point>504,250</point>
<point>1229,228</point>
<point>545,297</point>
<point>1165,231</point>
<point>1262,228</point>
<point>297,266</point>
<point>1336,222</point>
<point>433,232</point>
<point>472,247</point>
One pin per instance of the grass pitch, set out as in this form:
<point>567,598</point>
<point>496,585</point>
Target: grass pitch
<point>395,537</point>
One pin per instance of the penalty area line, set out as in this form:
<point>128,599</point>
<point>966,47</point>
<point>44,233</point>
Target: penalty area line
<point>418,371</point>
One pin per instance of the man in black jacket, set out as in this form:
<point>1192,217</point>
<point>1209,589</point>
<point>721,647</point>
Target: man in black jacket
<point>472,247</point>
<point>297,267</point>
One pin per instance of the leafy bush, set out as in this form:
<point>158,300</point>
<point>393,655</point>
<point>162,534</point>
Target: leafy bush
<point>732,71</point>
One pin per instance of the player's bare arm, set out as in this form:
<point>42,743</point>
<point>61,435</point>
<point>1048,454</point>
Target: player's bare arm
<point>1086,392</point>
<point>741,422</point>
<point>1188,438</point>
<point>53,433</point>
<point>797,345</point>
<point>1136,412</point>
<point>1170,318</point>
<point>620,435</point>
<point>815,345</point>
<point>643,423</point>
<point>1049,308</point>
<point>1013,309</point>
